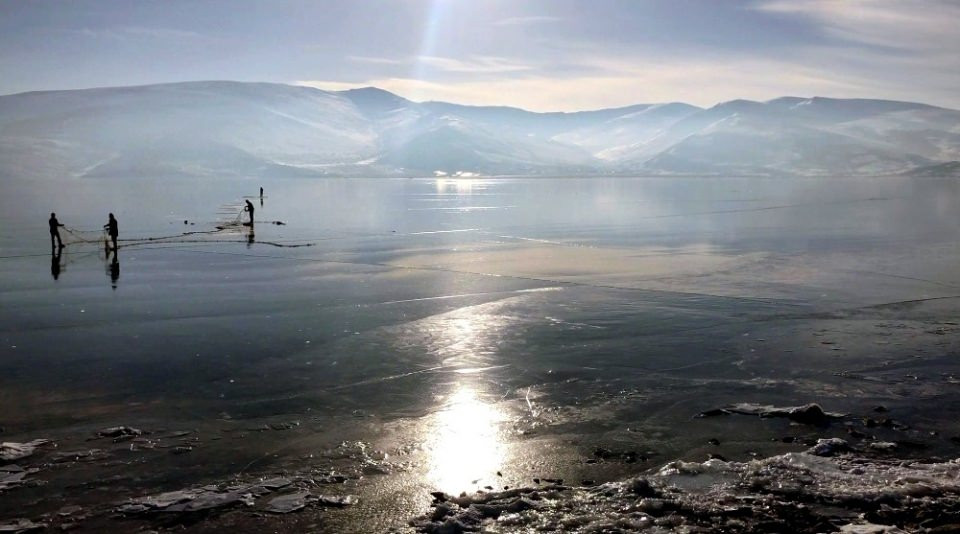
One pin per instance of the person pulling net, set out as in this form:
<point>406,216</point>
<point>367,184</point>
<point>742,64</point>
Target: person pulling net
<point>249,209</point>
<point>55,226</point>
<point>232,216</point>
<point>112,229</point>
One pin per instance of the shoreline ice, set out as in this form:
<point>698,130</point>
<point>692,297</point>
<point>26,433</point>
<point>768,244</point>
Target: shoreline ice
<point>793,492</point>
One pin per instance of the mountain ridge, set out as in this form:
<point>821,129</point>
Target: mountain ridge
<point>374,88</point>
<point>228,128</point>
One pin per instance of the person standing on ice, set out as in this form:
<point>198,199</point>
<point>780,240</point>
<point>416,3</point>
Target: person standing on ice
<point>250,209</point>
<point>112,231</point>
<point>55,231</point>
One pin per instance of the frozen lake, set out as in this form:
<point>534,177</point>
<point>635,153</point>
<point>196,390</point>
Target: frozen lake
<point>455,334</point>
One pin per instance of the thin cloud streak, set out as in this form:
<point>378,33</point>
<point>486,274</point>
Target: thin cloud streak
<point>469,65</point>
<point>526,21</point>
<point>377,60</point>
<point>127,32</point>
<point>474,64</point>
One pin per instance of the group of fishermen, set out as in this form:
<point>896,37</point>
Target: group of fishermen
<point>56,242</point>
<point>113,231</point>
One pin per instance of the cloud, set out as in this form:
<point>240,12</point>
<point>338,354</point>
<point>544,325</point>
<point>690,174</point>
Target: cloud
<point>526,21</point>
<point>904,24</point>
<point>905,49</point>
<point>856,61</point>
<point>377,60</point>
<point>467,65</point>
<point>622,84</point>
<point>473,64</point>
<point>162,33</point>
<point>125,33</point>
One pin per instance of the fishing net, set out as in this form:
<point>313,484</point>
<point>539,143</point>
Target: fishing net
<point>73,236</point>
<point>228,226</point>
<point>231,226</point>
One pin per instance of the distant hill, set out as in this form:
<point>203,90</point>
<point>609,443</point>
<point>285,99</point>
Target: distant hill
<point>214,129</point>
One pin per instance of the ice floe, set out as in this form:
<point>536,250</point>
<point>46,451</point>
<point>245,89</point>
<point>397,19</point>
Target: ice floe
<point>11,451</point>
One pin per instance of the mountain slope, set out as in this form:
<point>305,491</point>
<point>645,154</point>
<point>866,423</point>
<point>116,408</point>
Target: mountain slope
<point>452,144</point>
<point>629,133</point>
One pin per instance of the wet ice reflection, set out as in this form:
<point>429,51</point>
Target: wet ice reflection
<point>467,449</point>
<point>464,339</point>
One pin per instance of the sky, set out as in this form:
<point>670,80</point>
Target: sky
<point>541,55</point>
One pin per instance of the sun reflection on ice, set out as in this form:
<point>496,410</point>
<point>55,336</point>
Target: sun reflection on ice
<point>465,444</point>
<point>467,450</point>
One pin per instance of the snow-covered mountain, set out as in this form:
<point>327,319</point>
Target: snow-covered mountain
<point>815,136</point>
<point>260,129</point>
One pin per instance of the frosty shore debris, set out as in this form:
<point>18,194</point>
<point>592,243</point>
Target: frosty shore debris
<point>11,451</point>
<point>820,490</point>
<point>13,475</point>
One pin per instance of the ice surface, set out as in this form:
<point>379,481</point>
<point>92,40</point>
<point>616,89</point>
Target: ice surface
<point>571,333</point>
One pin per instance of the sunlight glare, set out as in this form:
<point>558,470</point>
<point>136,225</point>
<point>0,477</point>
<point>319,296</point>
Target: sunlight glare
<point>467,451</point>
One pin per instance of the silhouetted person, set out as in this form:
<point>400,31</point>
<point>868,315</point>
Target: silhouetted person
<point>55,231</point>
<point>250,209</point>
<point>112,231</point>
<point>114,271</point>
<point>55,263</point>
<point>261,193</point>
